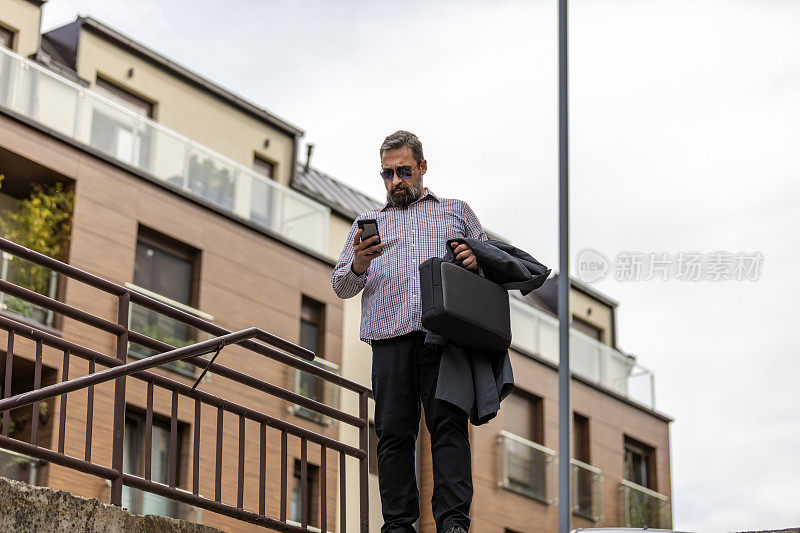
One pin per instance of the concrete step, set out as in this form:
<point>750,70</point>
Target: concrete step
<point>25,508</point>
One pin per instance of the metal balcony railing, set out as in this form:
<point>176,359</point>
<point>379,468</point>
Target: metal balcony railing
<point>536,332</point>
<point>161,474</point>
<point>587,490</point>
<point>84,116</point>
<point>29,276</point>
<point>311,386</point>
<point>644,507</point>
<point>527,468</point>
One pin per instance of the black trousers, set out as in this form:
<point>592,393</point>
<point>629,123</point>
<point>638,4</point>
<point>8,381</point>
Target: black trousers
<point>404,374</point>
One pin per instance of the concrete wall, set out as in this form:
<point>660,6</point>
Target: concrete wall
<point>24,18</point>
<point>25,508</point>
<point>337,234</point>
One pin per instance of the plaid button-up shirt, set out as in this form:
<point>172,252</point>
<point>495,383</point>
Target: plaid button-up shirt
<point>390,303</point>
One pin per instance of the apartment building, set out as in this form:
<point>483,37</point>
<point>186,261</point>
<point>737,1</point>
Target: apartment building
<point>180,194</point>
<point>190,194</point>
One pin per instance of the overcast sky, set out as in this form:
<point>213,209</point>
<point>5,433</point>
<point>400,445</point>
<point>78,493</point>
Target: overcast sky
<point>685,136</point>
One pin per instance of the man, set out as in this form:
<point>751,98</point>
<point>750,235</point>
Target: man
<point>414,225</point>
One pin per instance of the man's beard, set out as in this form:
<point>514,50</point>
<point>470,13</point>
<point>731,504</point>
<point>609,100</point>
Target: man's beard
<point>402,195</point>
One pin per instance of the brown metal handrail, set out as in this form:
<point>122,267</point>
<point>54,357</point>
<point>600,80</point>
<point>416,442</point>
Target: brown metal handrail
<point>155,305</point>
<point>252,339</point>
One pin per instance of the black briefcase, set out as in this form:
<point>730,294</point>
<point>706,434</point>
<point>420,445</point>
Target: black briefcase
<point>464,307</point>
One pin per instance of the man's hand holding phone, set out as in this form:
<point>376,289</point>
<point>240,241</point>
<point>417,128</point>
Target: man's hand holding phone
<point>365,251</point>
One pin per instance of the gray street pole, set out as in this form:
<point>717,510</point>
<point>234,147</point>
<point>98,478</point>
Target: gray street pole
<point>564,410</point>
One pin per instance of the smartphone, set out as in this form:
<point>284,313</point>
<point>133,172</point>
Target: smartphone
<point>370,229</point>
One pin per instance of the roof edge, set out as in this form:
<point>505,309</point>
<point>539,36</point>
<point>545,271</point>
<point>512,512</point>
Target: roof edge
<point>188,75</point>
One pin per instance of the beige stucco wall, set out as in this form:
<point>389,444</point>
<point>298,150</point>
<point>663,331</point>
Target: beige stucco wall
<point>357,365</point>
<point>337,234</point>
<point>592,311</point>
<point>186,109</point>
<point>25,20</point>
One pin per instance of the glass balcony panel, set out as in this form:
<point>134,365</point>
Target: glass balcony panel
<point>548,340</point>
<point>9,72</point>
<point>644,507</point>
<point>318,389</point>
<point>299,220</point>
<point>19,467</point>
<point>584,355</point>
<point>135,140</point>
<point>164,155</point>
<point>537,332</point>
<point>618,371</point>
<point>165,329</point>
<point>211,178</point>
<point>264,204</point>
<point>640,385</point>
<point>527,468</point>
<point>112,131</point>
<point>32,277</point>
<point>587,491</point>
<point>525,326</point>
<point>46,100</point>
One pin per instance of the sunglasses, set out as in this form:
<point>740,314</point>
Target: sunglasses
<point>402,172</point>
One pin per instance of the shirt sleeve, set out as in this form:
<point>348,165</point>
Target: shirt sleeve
<point>472,226</point>
<point>347,283</point>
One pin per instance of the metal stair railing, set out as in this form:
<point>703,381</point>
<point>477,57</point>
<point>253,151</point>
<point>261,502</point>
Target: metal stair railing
<point>118,370</point>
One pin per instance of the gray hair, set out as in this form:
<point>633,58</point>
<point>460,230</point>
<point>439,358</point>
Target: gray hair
<point>402,138</point>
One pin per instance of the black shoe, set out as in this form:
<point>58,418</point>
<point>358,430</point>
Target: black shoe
<point>456,529</point>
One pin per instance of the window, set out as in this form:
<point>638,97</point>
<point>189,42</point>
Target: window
<point>312,332</point>
<point>169,269</point>
<point>137,501</point>
<point>114,132</point>
<point>6,38</point>
<point>580,439</point>
<point>264,167</point>
<point>524,416</point>
<point>312,493</point>
<point>639,466</point>
<point>263,196</point>
<point>526,466</point>
<point>587,328</point>
<point>123,97</point>
<point>584,500</point>
<point>373,449</point>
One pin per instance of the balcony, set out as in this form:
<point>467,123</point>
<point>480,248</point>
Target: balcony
<point>644,507</point>
<point>587,490</point>
<point>32,277</point>
<point>314,388</point>
<point>527,468</point>
<point>536,332</point>
<point>88,118</point>
<point>162,328</point>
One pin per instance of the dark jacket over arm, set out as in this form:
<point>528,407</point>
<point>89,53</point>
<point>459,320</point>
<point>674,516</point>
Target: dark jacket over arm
<point>476,381</point>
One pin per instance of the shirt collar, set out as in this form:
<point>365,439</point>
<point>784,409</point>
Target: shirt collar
<point>427,194</point>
